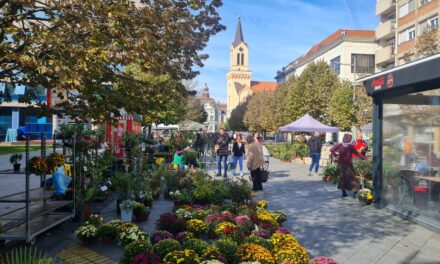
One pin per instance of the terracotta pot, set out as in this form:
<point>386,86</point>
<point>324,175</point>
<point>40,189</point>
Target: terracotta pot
<point>86,243</point>
<point>106,241</point>
<point>87,211</point>
<point>141,218</point>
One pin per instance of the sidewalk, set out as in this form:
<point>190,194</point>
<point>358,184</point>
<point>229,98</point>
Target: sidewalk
<point>343,228</point>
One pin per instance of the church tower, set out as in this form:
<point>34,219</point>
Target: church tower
<point>239,76</point>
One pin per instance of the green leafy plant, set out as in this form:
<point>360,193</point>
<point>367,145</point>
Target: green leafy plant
<point>228,248</point>
<point>15,158</point>
<point>363,168</point>
<point>107,231</point>
<point>163,247</point>
<point>27,255</point>
<point>186,256</point>
<point>198,245</point>
<point>135,248</point>
<point>240,190</point>
<point>333,172</point>
<point>140,209</point>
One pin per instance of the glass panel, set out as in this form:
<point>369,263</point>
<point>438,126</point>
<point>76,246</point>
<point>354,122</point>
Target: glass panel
<point>411,152</point>
<point>336,64</point>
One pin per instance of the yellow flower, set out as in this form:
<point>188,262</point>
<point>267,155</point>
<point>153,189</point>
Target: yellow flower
<point>254,252</point>
<point>262,204</point>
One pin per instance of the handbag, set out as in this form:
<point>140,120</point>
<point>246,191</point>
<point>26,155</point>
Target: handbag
<point>264,175</point>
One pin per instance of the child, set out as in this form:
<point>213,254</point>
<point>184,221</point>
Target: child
<point>178,161</point>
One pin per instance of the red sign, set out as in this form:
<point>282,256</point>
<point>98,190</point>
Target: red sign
<point>390,80</point>
<point>378,83</point>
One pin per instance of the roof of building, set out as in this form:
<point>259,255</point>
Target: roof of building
<point>238,34</point>
<point>258,87</point>
<point>335,38</point>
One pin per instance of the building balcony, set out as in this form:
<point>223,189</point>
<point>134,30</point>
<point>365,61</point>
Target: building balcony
<point>383,6</point>
<point>386,30</point>
<point>385,55</point>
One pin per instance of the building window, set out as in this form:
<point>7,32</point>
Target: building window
<point>407,8</point>
<point>411,33</point>
<point>242,59</point>
<point>364,63</point>
<point>336,65</point>
<point>424,2</point>
<point>238,58</point>
<point>428,24</point>
<point>407,35</point>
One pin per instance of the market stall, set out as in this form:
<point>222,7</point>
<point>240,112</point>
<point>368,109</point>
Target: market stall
<point>406,142</point>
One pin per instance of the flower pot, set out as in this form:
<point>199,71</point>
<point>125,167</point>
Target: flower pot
<point>126,215</point>
<point>87,211</point>
<point>141,218</point>
<point>86,242</point>
<point>17,167</point>
<point>106,241</point>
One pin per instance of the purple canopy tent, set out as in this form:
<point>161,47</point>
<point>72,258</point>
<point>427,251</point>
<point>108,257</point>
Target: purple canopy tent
<point>308,124</point>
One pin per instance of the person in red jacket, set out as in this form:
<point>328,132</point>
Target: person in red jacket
<point>360,145</point>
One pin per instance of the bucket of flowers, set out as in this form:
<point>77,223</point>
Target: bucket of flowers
<point>141,212</point>
<point>365,196</point>
<point>196,226</point>
<point>107,233</point>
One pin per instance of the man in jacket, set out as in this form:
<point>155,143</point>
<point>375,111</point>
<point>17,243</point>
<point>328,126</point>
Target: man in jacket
<point>315,147</point>
<point>223,153</point>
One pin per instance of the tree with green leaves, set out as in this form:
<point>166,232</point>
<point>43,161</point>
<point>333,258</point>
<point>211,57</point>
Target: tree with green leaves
<point>81,50</point>
<point>195,110</point>
<point>312,91</point>
<point>236,120</point>
<point>258,113</point>
<point>342,110</point>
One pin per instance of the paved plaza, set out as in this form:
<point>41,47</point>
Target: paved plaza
<point>323,222</point>
<point>344,229</point>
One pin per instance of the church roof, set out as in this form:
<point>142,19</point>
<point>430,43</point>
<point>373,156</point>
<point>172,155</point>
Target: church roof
<point>238,34</point>
<point>259,87</point>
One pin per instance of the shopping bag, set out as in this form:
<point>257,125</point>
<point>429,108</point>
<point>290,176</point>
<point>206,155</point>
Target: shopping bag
<point>264,175</point>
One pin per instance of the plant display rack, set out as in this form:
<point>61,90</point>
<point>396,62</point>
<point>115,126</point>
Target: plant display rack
<point>34,212</point>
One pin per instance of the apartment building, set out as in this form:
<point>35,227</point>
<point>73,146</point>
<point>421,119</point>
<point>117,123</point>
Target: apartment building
<point>402,23</point>
<point>349,52</point>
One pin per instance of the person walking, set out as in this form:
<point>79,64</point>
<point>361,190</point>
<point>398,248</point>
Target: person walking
<point>255,160</point>
<point>315,147</point>
<point>343,152</point>
<point>179,160</point>
<point>223,153</point>
<point>238,152</point>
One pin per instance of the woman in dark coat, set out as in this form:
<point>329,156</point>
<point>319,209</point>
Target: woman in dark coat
<point>344,152</point>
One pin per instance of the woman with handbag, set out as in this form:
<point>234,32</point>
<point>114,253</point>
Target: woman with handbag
<point>255,160</point>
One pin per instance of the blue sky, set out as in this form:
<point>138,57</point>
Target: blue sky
<point>277,32</point>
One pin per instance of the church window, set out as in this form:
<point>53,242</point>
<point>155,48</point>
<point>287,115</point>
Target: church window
<point>242,59</point>
<point>238,58</point>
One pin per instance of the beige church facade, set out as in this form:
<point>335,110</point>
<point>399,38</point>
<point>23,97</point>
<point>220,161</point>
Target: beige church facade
<point>239,77</point>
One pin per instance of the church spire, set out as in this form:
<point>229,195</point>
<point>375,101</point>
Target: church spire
<point>238,34</point>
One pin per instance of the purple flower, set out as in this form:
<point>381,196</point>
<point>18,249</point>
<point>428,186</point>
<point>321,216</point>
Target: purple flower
<point>242,219</point>
<point>262,234</point>
<point>283,230</point>
<point>323,260</point>
<point>197,207</point>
